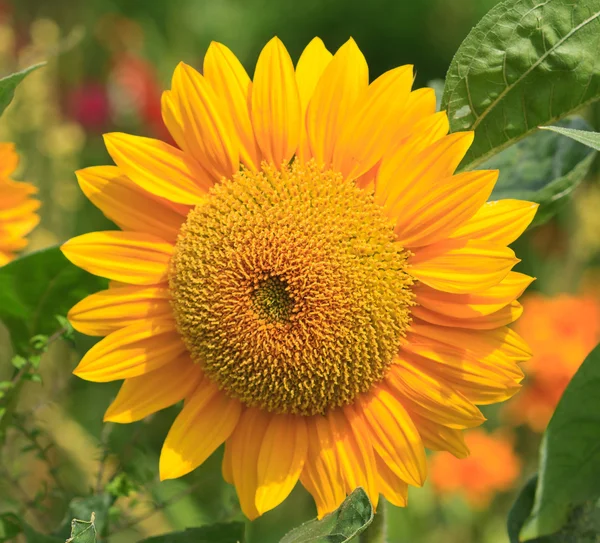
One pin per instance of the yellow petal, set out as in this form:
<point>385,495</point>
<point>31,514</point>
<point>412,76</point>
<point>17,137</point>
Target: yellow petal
<point>207,126</point>
<point>508,314</point>
<point>132,351</point>
<point>18,210</point>
<point>463,355</point>
<point>130,257</point>
<point>321,474</point>
<point>280,461</point>
<point>106,311</point>
<point>472,305</point>
<point>311,65</point>
<point>478,381</point>
<point>423,393</point>
<point>427,131</point>
<point>354,452</point>
<point>502,221</point>
<point>230,81</point>
<point>394,435</point>
<point>366,134</point>
<point>503,340</point>
<point>5,257</point>
<point>342,84</point>
<point>159,168</point>
<point>9,159</point>
<point>172,117</point>
<point>460,267</point>
<point>420,172</point>
<point>390,485</point>
<point>441,207</point>
<point>207,419</point>
<point>127,207</point>
<point>227,464</point>
<point>437,437</point>
<point>276,104</point>
<point>141,396</point>
<point>244,448</point>
<point>419,105</point>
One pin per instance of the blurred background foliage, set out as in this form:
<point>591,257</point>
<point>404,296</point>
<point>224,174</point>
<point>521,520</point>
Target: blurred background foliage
<point>108,63</point>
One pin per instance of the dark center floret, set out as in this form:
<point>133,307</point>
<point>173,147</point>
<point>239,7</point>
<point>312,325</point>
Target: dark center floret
<point>289,288</point>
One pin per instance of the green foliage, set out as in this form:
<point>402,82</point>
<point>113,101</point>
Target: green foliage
<point>569,478</point>
<point>543,168</point>
<point>83,531</point>
<point>232,532</point>
<point>587,137</point>
<point>34,289</point>
<point>94,507</point>
<point>525,64</point>
<point>345,523</point>
<point>9,83</point>
<point>12,526</point>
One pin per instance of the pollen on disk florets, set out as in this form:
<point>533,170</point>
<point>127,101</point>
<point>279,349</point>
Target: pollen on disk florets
<point>289,288</point>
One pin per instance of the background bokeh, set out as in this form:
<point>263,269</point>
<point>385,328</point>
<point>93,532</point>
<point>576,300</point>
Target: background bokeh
<point>108,63</point>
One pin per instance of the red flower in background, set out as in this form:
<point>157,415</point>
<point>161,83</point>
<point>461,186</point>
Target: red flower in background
<point>135,88</point>
<point>88,105</point>
<point>561,331</point>
<point>491,467</point>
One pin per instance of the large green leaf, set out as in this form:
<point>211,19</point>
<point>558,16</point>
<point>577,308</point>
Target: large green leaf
<point>232,532</point>
<point>543,168</point>
<point>587,137</point>
<point>569,475</point>
<point>83,531</point>
<point>527,63</point>
<point>345,523</point>
<point>35,288</point>
<point>9,83</point>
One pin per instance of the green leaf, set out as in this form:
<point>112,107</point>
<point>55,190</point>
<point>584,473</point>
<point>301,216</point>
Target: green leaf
<point>96,506</point>
<point>345,523</point>
<point>543,168</point>
<point>37,287</point>
<point>9,83</point>
<point>83,531</point>
<point>569,473</point>
<point>521,509</point>
<point>438,86</point>
<point>527,63</point>
<point>10,527</point>
<point>232,532</point>
<point>587,137</point>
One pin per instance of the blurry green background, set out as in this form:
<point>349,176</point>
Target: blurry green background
<point>108,63</point>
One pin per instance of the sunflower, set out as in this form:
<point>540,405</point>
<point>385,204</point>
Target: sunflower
<point>17,207</point>
<point>306,273</point>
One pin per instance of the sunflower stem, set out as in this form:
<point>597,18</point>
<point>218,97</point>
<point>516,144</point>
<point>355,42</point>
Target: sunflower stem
<point>377,530</point>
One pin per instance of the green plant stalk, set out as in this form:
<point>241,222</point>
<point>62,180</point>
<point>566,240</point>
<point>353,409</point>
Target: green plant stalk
<point>376,532</point>
<point>12,400</point>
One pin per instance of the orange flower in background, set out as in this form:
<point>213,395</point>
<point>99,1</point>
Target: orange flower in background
<point>561,331</point>
<point>307,273</point>
<point>491,467</point>
<point>17,207</point>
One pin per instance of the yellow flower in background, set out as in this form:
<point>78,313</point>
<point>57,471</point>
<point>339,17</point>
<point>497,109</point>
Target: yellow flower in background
<point>306,273</point>
<point>491,467</point>
<point>562,330</point>
<point>17,207</point>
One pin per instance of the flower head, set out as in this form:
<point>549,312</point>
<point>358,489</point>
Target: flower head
<point>17,207</point>
<point>562,330</point>
<point>307,273</point>
<point>491,467</point>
